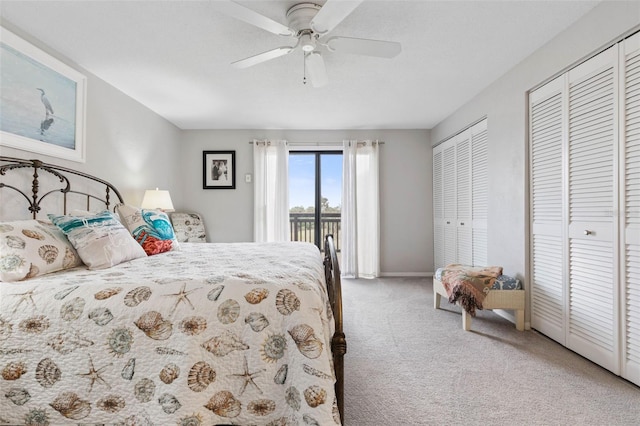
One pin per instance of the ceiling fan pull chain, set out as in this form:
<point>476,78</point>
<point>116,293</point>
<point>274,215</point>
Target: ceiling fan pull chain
<point>304,68</point>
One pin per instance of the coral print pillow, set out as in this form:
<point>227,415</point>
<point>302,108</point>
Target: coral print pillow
<point>101,241</point>
<point>150,228</point>
<point>29,248</point>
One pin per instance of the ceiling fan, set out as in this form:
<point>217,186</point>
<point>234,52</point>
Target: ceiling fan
<point>308,26</point>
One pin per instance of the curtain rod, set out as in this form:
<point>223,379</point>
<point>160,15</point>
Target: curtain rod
<point>319,143</point>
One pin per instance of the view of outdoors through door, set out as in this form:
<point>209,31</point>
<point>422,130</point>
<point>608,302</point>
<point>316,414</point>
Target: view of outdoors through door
<point>315,196</point>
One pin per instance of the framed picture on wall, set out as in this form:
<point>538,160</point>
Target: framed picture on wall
<point>218,169</point>
<point>42,101</point>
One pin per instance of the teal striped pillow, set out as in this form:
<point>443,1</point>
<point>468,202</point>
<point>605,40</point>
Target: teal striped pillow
<point>100,240</point>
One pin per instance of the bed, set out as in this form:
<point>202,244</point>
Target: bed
<point>202,334</point>
<point>505,293</point>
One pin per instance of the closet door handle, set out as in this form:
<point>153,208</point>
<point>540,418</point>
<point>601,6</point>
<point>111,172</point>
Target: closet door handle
<point>587,232</point>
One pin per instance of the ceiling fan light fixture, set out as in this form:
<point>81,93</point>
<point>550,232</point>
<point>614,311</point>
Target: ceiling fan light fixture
<point>307,43</point>
<point>308,23</point>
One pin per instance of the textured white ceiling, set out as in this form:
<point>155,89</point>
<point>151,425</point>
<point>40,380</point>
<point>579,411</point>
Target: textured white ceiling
<point>174,57</point>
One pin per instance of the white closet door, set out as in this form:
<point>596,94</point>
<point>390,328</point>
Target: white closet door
<point>630,176</point>
<point>463,199</point>
<point>438,209</point>
<point>449,188</point>
<point>593,324</point>
<point>460,191</point>
<point>479,192</point>
<point>546,112</point>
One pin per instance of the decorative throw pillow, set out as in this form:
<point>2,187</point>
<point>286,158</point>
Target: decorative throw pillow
<point>101,241</point>
<point>188,227</point>
<point>80,212</point>
<point>29,248</point>
<point>150,228</point>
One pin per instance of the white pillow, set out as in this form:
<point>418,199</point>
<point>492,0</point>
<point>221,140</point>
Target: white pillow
<point>101,241</point>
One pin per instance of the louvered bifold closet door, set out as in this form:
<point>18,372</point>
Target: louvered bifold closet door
<point>479,192</point>
<point>449,197</point>
<point>438,209</point>
<point>630,176</point>
<point>463,199</point>
<point>546,112</point>
<point>593,323</point>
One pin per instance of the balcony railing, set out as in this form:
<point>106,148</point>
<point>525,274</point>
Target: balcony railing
<point>303,227</point>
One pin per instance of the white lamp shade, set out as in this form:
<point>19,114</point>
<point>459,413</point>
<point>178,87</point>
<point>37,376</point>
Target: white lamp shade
<point>157,199</point>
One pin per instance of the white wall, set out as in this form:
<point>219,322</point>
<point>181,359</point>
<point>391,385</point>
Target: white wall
<point>405,189</point>
<point>126,143</point>
<point>504,104</point>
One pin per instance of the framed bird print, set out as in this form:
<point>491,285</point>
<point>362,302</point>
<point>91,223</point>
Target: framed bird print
<point>42,101</point>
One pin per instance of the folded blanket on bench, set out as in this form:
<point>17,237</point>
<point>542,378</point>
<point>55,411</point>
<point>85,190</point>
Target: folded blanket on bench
<point>468,285</point>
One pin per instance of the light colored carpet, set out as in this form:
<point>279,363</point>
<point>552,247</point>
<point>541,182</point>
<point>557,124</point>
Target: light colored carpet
<point>409,364</point>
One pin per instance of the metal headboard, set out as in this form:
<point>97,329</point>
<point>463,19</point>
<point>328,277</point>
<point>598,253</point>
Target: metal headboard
<point>8,164</point>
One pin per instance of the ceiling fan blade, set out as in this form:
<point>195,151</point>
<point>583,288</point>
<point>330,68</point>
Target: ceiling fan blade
<point>249,16</point>
<point>362,46</point>
<point>332,13</point>
<point>262,57</point>
<point>316,68</point>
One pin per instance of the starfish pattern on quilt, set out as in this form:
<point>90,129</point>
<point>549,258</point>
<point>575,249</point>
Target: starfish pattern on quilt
<point>182,297</point>
<point>94,375</point>
<point>247,377</point>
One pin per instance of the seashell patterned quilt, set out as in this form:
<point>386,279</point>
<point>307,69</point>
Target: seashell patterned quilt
<point>212,334</point>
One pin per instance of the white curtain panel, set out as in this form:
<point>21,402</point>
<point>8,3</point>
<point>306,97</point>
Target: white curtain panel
<point>349,242</point>
<point>271,191</point>
<point>360,210</point>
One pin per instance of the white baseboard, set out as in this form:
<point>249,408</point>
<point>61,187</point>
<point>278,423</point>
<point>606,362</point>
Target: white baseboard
<point>406,274</point>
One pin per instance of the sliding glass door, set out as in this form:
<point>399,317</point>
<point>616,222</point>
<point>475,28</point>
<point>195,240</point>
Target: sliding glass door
<point>315,195</point>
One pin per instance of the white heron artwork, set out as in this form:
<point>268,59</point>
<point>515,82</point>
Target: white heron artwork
<point>36,101</point>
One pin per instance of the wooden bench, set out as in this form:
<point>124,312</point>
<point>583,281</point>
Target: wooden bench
<point>495,299</point>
